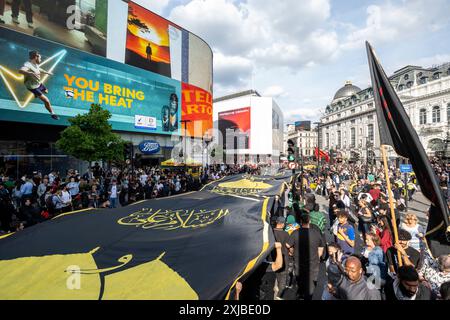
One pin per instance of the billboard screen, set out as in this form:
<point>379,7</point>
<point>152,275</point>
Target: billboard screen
<point>152,42</point>
<point>80,24</point>
<point>303,125</point>
<point>197,109</point>
<point>236,124</point>
<point>139,101</point>
<point>160,46</point>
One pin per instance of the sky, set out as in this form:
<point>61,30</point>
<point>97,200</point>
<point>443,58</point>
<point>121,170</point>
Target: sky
<point>302,52</point>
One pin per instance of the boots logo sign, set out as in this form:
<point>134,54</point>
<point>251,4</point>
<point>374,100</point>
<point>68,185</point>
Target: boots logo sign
<point>149,147</point>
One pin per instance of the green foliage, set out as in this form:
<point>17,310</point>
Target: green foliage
<point>89,137</point>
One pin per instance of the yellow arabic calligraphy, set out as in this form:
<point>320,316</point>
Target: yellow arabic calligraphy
<point>172,219</point>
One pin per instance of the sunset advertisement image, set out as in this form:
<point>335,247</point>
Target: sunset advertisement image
<point>197,109</point>
<point>236,124</point>
<point>148,41</point>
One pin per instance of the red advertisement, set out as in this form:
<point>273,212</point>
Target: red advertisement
<point>197,108</point>
<point>236,123</point>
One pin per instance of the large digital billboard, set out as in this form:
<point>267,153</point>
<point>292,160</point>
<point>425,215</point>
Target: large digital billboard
<point>236,124</point>
<point>153,43</point>
<point>80,24</point>
<point>139,100</point>
<point>197,110</point>
<point>160,46</point>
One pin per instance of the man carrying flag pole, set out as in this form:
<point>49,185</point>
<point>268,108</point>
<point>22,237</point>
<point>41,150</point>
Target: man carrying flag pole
<point>397,131</point>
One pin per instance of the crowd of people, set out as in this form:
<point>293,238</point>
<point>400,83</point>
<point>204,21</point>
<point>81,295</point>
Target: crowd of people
<point>354,241</point>
<point>36,198</point>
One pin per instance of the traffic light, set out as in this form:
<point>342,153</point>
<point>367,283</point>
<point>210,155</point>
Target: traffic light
<point>137,159</point>
<point>128,150</point>
<point>291,156</point>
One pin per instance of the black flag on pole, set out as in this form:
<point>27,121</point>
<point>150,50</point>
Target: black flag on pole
<point>397,131</point>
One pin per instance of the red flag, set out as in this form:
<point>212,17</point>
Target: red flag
<point>322,154</point>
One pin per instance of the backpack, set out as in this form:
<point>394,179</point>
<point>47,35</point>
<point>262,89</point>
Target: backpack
<point>49,203</point>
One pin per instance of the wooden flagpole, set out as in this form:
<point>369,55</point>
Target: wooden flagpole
<point>391,202</point>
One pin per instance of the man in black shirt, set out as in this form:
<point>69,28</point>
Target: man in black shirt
<point>307,246</point>
<point>260,283</point>
<point>282,237</point>
<point>410,256</point>
<point>406,286</point>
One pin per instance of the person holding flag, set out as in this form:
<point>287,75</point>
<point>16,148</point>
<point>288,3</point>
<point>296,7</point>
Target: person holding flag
<point>397,131</point>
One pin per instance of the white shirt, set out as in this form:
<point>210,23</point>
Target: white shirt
<point>114,191</point>
<point>368,199</point>
<point>66,197</point>
<point>346,200</point>
<point>32,82</point>
<point>143,178</point>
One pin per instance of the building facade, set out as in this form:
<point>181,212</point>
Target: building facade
<point>349,127</point>
<point>305,140</point>
<point>155,100</point>
<point>249,128</point>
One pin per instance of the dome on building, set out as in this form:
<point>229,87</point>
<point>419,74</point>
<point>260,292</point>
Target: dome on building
<point>346,91</point>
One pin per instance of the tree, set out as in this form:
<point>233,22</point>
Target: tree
<point>89,137</point>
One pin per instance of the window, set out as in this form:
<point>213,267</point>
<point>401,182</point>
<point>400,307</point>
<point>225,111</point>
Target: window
<point>448,72</point>
<point>353,110</point>
<point>436,76</point>
<point>353,121</point>
<point>409,84</point>
<point>370,117</point>
<point>360,131</point>
<point>406,77</point>
<point>423,80</point>
<point>339,139</point>
<point>353,137</point>
<point>448,113</point>
<point>423,116</point>
<point>370,132</point>
<point>401,87</point>
<point>436,114</point>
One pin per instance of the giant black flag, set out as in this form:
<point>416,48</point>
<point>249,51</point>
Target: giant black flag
<point>192,246</point>
<point>397,131</point>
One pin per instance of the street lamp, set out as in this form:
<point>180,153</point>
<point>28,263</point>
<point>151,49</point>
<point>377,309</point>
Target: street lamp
<point>318,146</point>
<point>368,145</point>
<point>185,122</point>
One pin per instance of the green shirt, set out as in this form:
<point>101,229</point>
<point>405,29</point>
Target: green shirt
<point>318,219</point>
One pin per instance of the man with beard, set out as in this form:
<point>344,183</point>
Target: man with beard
<point>406,286</point>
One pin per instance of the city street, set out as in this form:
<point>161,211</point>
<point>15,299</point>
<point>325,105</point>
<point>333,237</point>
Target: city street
<point>164,150</point>
<point>419,206</point>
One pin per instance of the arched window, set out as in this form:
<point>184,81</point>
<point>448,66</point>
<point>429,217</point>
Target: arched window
<point>448,113</point>
<point>406,77</point>
<point>401,87</point>
<point>436,114</point>
<point>409,84</point>
<point>423,116</point>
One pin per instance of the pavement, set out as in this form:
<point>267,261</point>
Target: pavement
<point>419,206</point>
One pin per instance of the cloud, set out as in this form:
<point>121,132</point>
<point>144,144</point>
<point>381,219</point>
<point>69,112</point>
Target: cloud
<point>155,6</point>
<point>274,91</point>
<point>290,34</point>
<point>231,72</point>
<point>302,114</point>
<point>388,22</point>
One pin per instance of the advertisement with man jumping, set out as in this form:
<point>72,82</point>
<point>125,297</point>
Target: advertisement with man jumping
<point>43,82</point>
